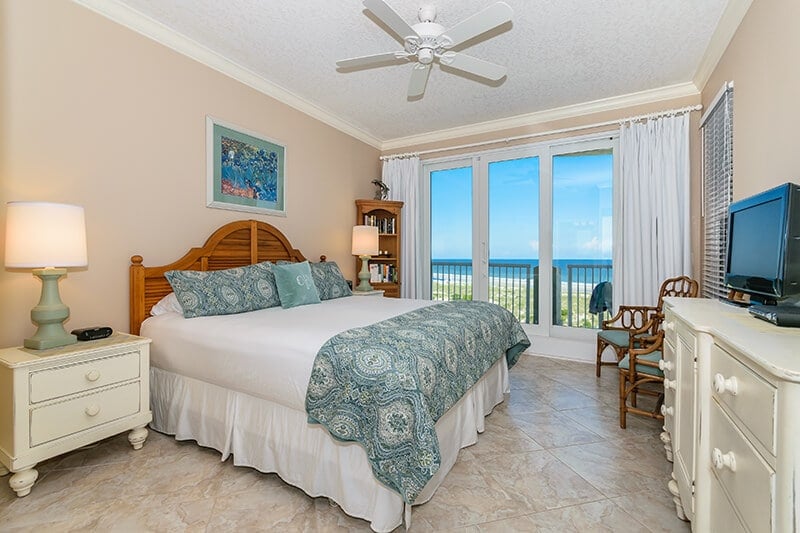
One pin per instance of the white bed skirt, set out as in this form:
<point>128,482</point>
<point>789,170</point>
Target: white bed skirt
<point>273,438</point>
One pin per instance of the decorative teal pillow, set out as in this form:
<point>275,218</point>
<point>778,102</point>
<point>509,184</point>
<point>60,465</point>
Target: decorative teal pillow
<point>224,292</point>
<point>329,280</point>
<point>295,284</point>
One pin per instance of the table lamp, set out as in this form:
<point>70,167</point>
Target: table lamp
<point>365,244</point>
<point>48,238</point>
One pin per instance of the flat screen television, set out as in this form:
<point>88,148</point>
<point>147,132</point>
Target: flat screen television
<point>763,257</point>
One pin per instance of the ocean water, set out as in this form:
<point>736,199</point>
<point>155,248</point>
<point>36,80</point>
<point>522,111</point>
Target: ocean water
<point>499,268</point>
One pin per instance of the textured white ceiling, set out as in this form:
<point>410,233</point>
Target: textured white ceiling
<point>557,52</point>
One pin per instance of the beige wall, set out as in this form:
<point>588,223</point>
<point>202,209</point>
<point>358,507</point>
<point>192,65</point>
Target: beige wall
<point>762,59</point>
<point>97,115</point>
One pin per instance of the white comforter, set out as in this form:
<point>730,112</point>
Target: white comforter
<point>268,353</point>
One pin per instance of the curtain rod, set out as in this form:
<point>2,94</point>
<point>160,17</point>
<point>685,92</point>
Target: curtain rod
<point>657,114</point>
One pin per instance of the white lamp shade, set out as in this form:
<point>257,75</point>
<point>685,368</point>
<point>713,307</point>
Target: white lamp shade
<point>43,234</point>
<point>365,240</point>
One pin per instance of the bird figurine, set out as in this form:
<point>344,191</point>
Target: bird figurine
<point>381,190</point>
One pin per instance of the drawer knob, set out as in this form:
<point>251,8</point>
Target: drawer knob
<point>723,460</point>
<point>670,326</point>
<point>665,365</point>
<point>92,375</point>
<point>667,411</point>
<point>671,384</point>
<point>92,410</point>
<point>723,385</point>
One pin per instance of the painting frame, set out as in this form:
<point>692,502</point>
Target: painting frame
<point>245,171</point>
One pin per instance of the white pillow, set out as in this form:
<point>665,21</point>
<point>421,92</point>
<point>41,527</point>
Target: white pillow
<point>167,304</point>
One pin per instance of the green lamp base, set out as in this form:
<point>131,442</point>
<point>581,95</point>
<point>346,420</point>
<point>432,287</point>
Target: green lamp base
<point>50,313</point>
<point>363,275</point>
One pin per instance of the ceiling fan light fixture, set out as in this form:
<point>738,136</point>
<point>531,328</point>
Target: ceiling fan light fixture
<point>425,56</point>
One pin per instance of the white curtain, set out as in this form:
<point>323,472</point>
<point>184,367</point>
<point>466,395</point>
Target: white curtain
<point>402,176</point>
<point>652,237</point>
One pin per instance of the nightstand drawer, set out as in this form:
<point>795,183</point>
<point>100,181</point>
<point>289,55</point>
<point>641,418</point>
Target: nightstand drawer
<point>61,381</point>
<point>65,418</point>
<point>747,396</point>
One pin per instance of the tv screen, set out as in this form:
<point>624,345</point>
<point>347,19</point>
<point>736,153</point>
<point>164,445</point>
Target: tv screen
<point>763,236</point>
<point>755,235</point>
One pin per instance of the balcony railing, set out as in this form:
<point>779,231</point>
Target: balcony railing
<point>581,280</point>
<point>515,286</point>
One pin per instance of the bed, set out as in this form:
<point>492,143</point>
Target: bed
<point>248,399</point>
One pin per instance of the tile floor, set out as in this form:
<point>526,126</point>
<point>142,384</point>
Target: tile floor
<point>552,459</point>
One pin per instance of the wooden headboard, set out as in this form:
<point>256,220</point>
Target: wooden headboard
<point>240,243</point>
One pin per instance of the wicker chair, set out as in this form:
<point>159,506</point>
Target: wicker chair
<point>638,371</point>
<point>631,320</point>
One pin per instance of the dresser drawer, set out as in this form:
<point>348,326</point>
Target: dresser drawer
<point>670,327</point>
<point>748,480</point>
<point>670,360</point>
<point>78,414</point>
<point>723,516</point>
<point>754,400</point>
<point>61,381</point>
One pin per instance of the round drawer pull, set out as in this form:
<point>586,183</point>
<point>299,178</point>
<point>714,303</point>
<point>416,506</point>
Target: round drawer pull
<point>92,375</point>
<point>671,384</point>
<point>665,365</point>
<point>92,410</point>
<point>723,460</point>
<point>670,326</point>
<point>722,385</point>
<point>667,411</point>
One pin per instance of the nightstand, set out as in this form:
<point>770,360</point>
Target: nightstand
<point>368,293</point>
<point>57,400</point>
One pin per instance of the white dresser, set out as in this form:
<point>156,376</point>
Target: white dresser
<point>54,401</point>
<point>732,417</point>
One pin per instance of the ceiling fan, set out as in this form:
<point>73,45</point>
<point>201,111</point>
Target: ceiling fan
<point>427,42</point>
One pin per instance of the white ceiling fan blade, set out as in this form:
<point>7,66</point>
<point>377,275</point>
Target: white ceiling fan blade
<point>473,65</point>
<point>389,16</point>
<point>480,22</point>
<point>375,60</point>
<point>419,79</point>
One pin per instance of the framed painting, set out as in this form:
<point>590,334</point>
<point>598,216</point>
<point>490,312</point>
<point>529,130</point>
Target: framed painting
<point>246,171</point>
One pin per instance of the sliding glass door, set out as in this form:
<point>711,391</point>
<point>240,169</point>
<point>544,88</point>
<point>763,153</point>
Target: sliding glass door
<point>582,231</point>
<point>513,236</point>
<point>484,223</point>
<point>528,228</point>
<point>451,232</point>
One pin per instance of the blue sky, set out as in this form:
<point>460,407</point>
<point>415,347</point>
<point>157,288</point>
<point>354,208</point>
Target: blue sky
<point>581,209</point>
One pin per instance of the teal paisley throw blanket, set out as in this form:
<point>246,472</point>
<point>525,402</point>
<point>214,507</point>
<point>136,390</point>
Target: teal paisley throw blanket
<point>385,385</point>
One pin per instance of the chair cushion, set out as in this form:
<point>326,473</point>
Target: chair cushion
<point>614,336</point>
<point>654,357</point>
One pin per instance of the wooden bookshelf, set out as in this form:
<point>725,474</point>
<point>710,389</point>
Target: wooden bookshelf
<point>386,215</point>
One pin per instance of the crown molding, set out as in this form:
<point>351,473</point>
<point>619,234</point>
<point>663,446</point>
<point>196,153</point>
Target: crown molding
<point>168,37</point>
<point>560,113</point>
<point>726,28</point>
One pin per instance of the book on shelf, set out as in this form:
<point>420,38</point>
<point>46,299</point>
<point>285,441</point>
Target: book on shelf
<point>384,225</point>
<point>374,273</point>
<point>382,273</point>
